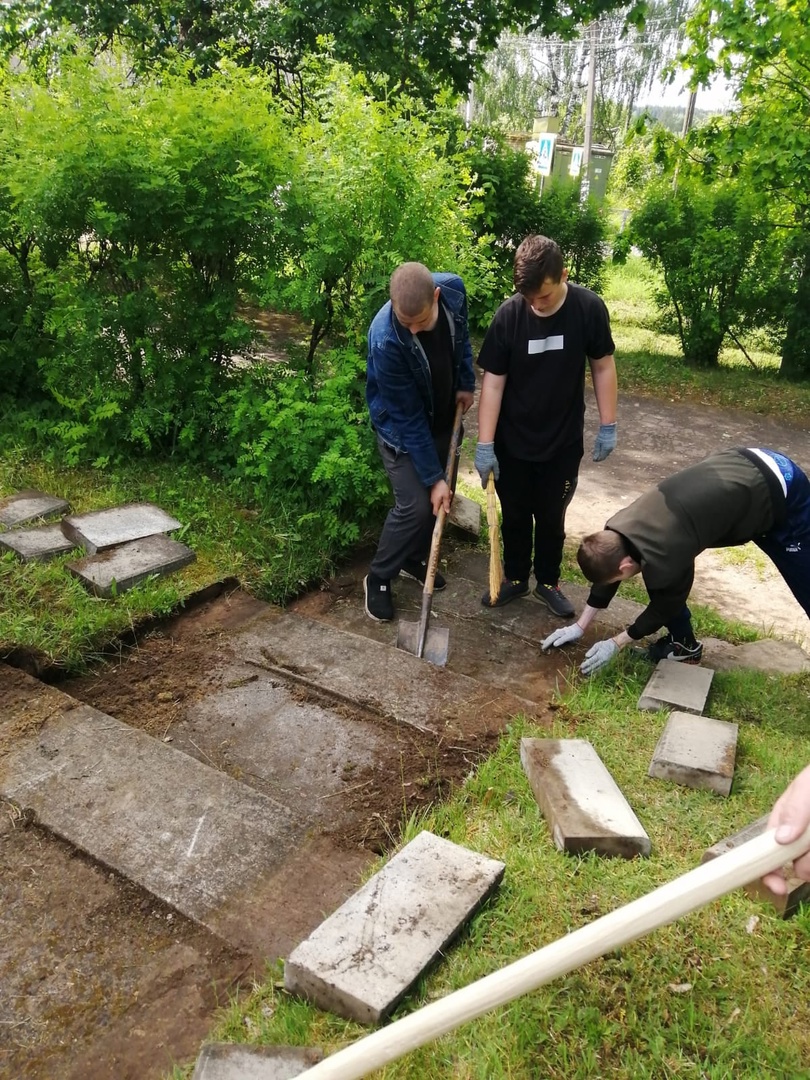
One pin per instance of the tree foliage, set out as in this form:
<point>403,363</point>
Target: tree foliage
<point>421,46</point>
<point>763,47</point>
<point>533,74</point>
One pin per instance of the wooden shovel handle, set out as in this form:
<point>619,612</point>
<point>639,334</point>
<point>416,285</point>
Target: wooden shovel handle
<point>433,558</point>
<point>662,906</point>
<point>436,540</point>
<point>495,568</point>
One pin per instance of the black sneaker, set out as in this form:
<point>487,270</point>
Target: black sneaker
<point>418,571</point>
<point>666,648</point>
<point>379,604</point>
<point>555,600</point>
<point>509,590</point>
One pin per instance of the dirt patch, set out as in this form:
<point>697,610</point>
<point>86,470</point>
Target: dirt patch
<point>99,979</point>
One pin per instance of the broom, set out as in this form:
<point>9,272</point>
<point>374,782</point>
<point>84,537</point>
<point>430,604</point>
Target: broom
<point>495,568</point>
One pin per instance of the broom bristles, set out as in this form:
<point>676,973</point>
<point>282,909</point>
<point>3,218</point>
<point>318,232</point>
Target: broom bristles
<point>495,569</point>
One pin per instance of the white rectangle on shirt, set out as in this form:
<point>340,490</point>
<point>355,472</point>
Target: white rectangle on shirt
<point>547,344</point>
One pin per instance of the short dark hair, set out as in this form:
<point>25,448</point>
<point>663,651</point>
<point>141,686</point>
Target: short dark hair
<point>599,555</point>
<point>537,260</point>
<point>412,288</point>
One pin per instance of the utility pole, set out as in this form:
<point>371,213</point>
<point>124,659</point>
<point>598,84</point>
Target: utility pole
<point>585,183</point>
<point>689,115</point>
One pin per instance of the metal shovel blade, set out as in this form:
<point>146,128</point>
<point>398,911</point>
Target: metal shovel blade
<point>437,641</point>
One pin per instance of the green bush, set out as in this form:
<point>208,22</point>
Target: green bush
<point>720,257</point>
<point>293,437</point>
<point>374,189</point>
<point>145,208</point>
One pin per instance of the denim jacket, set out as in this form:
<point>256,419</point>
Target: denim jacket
<point>399,391</point>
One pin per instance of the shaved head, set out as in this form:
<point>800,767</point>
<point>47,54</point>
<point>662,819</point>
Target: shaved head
<point>412,289</point>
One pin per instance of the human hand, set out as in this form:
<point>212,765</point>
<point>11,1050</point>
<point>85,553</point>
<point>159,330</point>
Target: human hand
<point>605,442</point>
<point>486,462</point>
<point>440,496</point>
<point>563,635</point>
<point>466,397</point>
<point>790,817</point>
<point>598,655</point>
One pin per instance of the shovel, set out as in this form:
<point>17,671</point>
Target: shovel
<point>664,905</point>
<point>420,639</point>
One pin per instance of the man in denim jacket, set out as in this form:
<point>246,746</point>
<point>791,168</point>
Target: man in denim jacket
<point>419,366</point>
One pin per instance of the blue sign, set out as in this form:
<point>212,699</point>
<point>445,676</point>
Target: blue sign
<point>545,154</point>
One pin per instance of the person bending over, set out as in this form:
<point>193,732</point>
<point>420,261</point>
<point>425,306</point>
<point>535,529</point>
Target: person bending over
<point>729,498</point>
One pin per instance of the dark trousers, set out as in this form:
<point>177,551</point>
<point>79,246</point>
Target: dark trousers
<point>534,497</point>
<point>408,528</point>
<point>786,545</point>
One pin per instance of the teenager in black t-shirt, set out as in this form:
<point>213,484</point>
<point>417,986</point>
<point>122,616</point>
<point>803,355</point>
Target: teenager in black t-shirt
<point>532,409</point>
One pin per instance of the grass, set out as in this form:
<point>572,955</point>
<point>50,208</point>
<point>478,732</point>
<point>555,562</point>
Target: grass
<point>46,611</point>
<point>714,995</point>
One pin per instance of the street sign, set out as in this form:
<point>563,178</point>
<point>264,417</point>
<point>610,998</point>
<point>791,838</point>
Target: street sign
<point>545,153</point>
<point>576,161</point>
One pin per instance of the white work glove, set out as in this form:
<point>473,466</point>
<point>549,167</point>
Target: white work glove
<point>598,655</point>
<point>563,635</point>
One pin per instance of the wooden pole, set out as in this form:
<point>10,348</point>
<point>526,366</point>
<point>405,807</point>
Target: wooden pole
<point>664,905</point>
<point>495,568</point>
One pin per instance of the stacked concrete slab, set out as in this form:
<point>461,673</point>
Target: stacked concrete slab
<point>694,750</point>
<point>38,544</point>
<point>125,544</point>
<point>29,505</point>
<point>362,960</point>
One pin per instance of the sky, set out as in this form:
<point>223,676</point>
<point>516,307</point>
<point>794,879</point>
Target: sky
<point>717,96</point>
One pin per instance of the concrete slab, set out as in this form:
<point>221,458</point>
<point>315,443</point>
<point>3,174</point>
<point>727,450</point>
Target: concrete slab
<point>192,836</point>
<point>696,751</point>
<point>294,750</point>
<point>364,958</point>
<point>229,1061</point>
<point>365,673</point>
<point>465,514</point>
<point>674,685</point>
<point>36,545</point>
<point>582,803</point>
<point>798,890</point>
<point>772,655</point>
<point>115,570</point>
<point>102,529</point>
<point>29,505</point>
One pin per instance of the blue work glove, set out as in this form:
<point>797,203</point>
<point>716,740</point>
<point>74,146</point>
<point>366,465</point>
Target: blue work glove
<point>605,442</point>
<point>598,655</point>
<point>486,462</point>
<point>563,635</point>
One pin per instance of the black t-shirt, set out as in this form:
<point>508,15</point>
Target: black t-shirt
<point>438,346</point>
<point>544,358</point>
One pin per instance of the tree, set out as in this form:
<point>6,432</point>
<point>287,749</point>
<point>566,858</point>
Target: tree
<point>531,74</point>
<point>719,256</point>
<point>763,46</point>
<point>421,44</point>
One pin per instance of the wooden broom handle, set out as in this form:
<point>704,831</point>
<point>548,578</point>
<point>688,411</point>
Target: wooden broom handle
<point>662,906</point>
